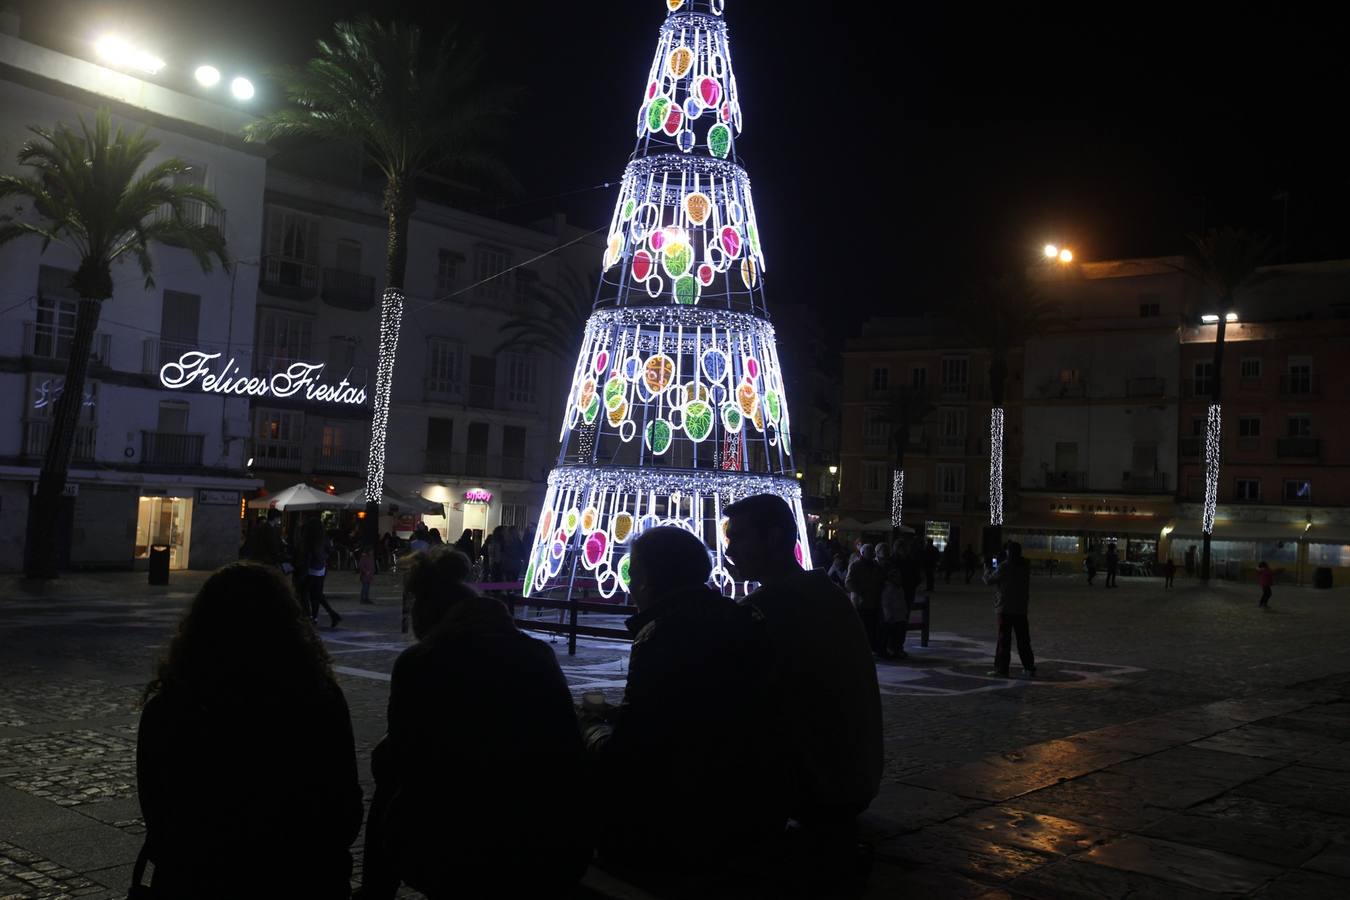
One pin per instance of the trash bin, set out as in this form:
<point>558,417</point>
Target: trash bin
<point>1322,577</point>
<point>159,564</point>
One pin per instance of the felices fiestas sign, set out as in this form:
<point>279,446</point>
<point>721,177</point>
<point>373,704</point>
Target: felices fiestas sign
<point>298,379</point>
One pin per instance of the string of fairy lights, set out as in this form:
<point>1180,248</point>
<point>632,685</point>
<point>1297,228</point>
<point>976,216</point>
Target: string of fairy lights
<point>391,321</point>
<point>996,466</point>
<point>1213,432</point>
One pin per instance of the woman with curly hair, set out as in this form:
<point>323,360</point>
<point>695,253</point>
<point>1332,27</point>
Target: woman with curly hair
<point>245,762</point>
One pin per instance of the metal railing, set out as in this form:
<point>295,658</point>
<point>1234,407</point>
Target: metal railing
<point>166,448</point>
<point>1057,388</point>
<point>440,389</point>
<point>43,340</point>
<point>1066,481</point>
<point>277,456</point>
<point>954,390</point>
<point>156,352</point>
<point>948,501</point>
<point>342,460</point>
<point>947,443</point>
<point>1300,385</point>
<point>193,212</point>
<point>348,290</point>
<point>287,277</point>
<point>1297,447</point>
<point>1150,483</point>
<point>1145,387</point>
<point>37,433</point>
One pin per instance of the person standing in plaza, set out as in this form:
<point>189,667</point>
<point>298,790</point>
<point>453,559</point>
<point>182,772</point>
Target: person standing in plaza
<point>930,564</point>
<point>903,579</point>
<point>1169,572</point>
<point>827,694</point>
<point>1090,565</point>
<point>1011,580</point>
<point>1266,579</point>
<point>864,582</point>
<point>318,549</point>
<point>1112,564</point>
<point>366,568</point>
<point>245,761</point>
<point>971,560</point>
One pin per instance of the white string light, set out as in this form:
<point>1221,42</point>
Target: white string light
<point>897,498</point>
<point>1213,432</point>
<point>391,320</point>
<point>996,466</point>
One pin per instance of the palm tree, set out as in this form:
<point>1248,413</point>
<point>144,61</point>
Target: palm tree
<point>908,408</point>
<point>85,194</point>
<point>1000,315</point>
<point>414,112</point>
<point>1229,259</point>
<point>558,327</point>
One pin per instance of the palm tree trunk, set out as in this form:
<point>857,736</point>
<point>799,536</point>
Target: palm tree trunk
<point>398,209</point>
<point>44,514</point>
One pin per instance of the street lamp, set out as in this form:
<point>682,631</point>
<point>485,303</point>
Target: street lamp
<point>1213,436</point>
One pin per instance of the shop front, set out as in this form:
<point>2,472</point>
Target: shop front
<point>1296,544</point>
<point>1062,530</point>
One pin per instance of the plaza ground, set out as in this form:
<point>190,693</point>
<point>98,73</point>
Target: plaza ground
<point>1176,743</point>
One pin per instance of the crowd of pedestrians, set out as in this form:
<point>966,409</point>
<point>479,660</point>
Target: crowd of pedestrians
<point>747,731</point>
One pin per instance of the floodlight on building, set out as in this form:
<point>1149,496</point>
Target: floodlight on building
<point>1051,251</point>
<point>1209,318</point>
<point>1230,317</point>
<point>112,49</point>
<point>1066,255</point>
<point>834,470</point>
<point>207,76</point>
<point>242,89</point>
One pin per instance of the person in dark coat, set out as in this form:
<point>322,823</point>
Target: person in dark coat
<point>245,763</point>
<point>1112,564</point>
<point>865,581</point>
<point>477,712</point>
<point>1011,580</point>
<point>930,564</point>
<point>266,545</point>
<point>827,691</point>
<point>691,753</point>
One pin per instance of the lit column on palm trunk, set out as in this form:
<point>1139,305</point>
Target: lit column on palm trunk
<point>391,320</point>
<point>996,466</point>
<point>1213,431</point>
<point>897,497</point>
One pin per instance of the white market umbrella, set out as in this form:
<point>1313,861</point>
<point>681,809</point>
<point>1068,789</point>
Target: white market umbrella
<point>298,498</point>
<point>357,500</point>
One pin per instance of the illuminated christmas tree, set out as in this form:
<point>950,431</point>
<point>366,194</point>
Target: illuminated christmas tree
<point>676,406</point>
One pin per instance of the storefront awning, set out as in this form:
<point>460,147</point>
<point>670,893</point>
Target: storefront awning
<point>1246,531</point>
<point>1144,526</point>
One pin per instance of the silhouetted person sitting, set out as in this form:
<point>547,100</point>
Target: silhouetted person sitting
<point>477,712</point>
<point>245,762</point>
<point>687,763</point>
<point>826,679</point>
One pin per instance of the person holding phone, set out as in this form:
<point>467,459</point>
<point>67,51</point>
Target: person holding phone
<point>1010,576</point>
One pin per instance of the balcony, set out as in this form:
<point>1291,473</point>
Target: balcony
<point>1249,444</point>
<point>954,390</point>
<point>1198,389</point>
<point>295,279</point>
<point>1066,481</point>
<point>193,212</point>
<point>950,501</point>
<point>951,444</point>
<point>1059,389</point>
<point>1306,385</point>
<point>45,341</point>
<point>277,456</point>
<point>483,396</point>
<point>474,465</point>
<point>1192,447</point>
<point>1145,387</point>
<point>156,352</point>
<point>348,290</point>
<point>1297,447</point>
<point>917,501</point>
<point>439,390</point>
<point>341,460</point>
<point>37,433</point>
<point>166,448</point>
<point>1150,483</point>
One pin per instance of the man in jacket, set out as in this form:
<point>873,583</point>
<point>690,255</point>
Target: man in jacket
<point>827,689</point>
<point>691,752</point>
<point>1011,580</point>
<point>865,580</point>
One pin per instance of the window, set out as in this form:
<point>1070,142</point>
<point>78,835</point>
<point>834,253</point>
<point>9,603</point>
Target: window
<point>483,381</point>
<point>1144,459</point>
<point>447,272</point>
<point>178,320</point>
<point>57,306</point>
<point>440,434</point>
<point>514,514</point>
<point>194,211</point>
<point>1150,309</point>
<point>341,356</point>
<point>1249,426</point>
<point>919,378</point>
<point>334,440</point>
<point>1203,386</point>
<point>1197,426</point>
<point>526,284</point>
<point>1300,379</point>
<point>1066,457</point>
<point>442,366</point>
<point>173,417</point>
<point>1251,367</point>
<point>348,255</point>
<point>291,235</point>
<point>1299,426</point>
<point>953,425</point>
<point>1297,491</point>
<point>876,431</point>
<point>955,372</point>
<point>282,339</point>
<point>1335,555</point>
<point>475,461</point>
<point>1195,488</point>
<point>1247,490</point>
<point>520,384</point>
<point>875,478</point>
<point>951,483</point>
<point>513,452</point>
<point>279,425</point>
<point>490,264</point>
<point>881,378</point>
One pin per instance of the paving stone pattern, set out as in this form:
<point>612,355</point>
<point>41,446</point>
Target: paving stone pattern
<point>1177,744</point>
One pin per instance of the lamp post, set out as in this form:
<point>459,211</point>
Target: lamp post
<point>1213,436</point>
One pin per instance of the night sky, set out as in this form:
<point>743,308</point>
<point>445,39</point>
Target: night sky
<point>896,152</point>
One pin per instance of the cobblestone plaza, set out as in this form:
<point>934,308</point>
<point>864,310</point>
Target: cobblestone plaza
<point>1177,743</point>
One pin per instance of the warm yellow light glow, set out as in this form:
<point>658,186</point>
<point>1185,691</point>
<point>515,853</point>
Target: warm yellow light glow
<point>1051,251</point>
<point>1066,255</point>
<point>207,76</point>
<point>834,470</point>
<point>112,49</point>
<point>1230,317</point>
<point>1209,318</point>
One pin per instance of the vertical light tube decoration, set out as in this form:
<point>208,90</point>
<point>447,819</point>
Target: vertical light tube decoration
<point>996,466</point>
<point>391,320</point>
<point>897,498</point>
<point>1213,432</point>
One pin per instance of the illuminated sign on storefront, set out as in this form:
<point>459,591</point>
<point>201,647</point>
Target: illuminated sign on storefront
<point>300,378</point>
<point>477,495</point>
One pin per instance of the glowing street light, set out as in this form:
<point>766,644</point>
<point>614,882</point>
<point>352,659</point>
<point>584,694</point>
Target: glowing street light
<point>207,76</point>
<point>115,51</point>
<point>1209,318</point>
<point>242,89</point>
<point>1051,251</point>
<point>1066,255</point>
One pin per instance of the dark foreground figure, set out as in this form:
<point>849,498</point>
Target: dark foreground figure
<point>245,762</point>
<point>1011,580</point>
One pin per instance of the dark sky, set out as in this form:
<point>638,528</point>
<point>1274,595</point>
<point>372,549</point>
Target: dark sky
<point>897,149</point>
